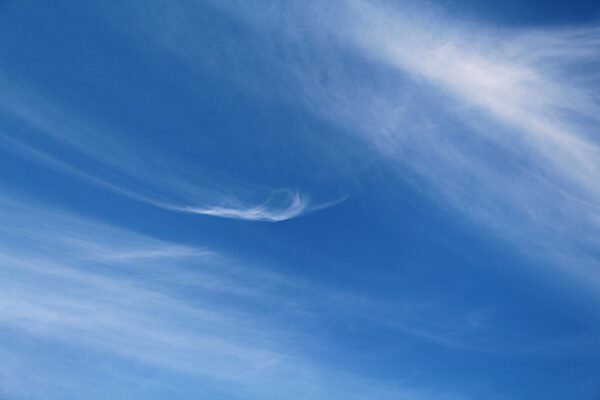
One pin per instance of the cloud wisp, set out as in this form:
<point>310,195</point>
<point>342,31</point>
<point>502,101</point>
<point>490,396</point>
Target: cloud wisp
<point>278,207</point>
<point>499,124</point>
<point>61,140</point>
<point>281,205</point>
<point>525,159</point>
<point>92,288</point>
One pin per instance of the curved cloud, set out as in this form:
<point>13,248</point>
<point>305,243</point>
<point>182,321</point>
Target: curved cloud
<point>280,206</point>
<point>124,167</point>
<point>500,124</point>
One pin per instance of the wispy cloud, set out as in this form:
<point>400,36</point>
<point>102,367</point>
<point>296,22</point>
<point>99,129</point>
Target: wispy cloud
<point>63,140</point>
<point>498,123</point>
<point>278,207</point>
<point>524,158</point>
<point>191,311</point>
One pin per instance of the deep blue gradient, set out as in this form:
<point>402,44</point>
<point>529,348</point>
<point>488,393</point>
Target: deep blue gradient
<point>150,157</point>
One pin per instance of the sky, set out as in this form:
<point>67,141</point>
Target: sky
<point>355,199</point>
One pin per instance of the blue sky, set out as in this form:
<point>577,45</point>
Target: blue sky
<point>291,200</point>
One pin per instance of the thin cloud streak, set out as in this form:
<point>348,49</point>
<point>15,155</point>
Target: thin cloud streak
<point>131,170</point>
<point>282,205</point>
<point>499,124</point>
<point>89,285</point>
<point>279,207</point>
<point>521,94</point>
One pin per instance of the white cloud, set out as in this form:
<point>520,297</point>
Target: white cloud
<point>279,207</point>
<point>500,124</point>
<point>77,284</point>
<point>528,162</point>
<point>130,169</point>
